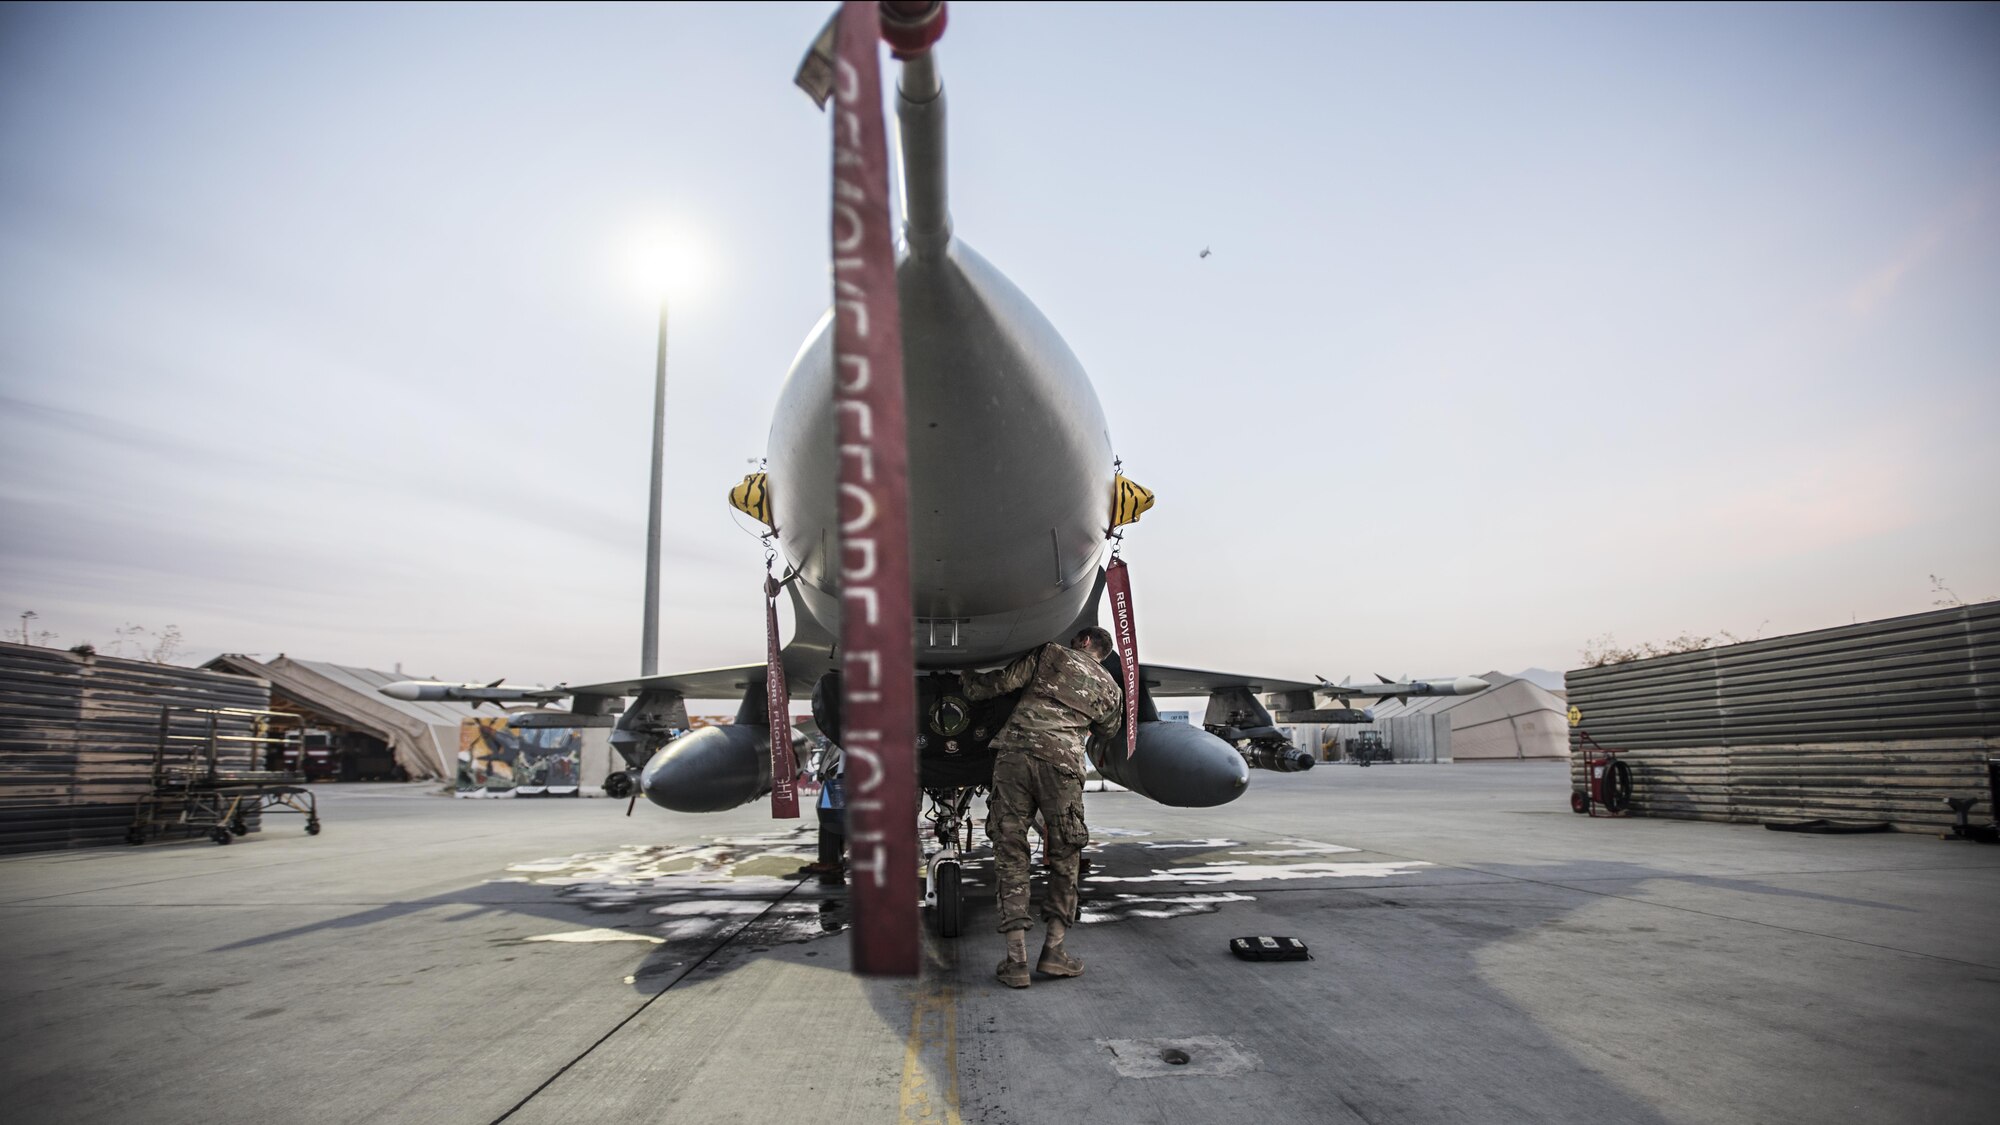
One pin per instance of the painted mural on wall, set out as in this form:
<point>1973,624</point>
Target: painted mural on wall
<point>497,759</point>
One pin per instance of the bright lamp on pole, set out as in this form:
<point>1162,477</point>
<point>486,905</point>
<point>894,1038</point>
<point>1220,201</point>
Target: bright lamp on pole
<point>663,268</point>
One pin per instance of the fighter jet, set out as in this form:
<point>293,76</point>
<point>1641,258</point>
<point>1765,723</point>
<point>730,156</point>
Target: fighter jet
<point>1015,500</point>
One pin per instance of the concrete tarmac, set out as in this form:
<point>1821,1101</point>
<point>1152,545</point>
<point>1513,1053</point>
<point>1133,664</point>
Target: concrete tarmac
<point>1480,955</point>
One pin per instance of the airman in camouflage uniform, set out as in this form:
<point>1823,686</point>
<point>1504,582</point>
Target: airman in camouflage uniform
<point>1065,696</point>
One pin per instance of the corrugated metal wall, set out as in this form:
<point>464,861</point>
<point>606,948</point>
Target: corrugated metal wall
<point>1877,721</point>
<point>77,736</point>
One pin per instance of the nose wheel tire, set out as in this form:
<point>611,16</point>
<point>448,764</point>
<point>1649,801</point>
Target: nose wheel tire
<point>950,900</point>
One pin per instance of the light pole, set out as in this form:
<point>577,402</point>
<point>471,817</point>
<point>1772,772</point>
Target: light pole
<point>649,635</point>
<point>663,265</point>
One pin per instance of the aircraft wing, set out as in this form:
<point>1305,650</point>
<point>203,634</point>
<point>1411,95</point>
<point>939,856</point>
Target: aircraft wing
<point>709,683</point>
<point>802,668</point>
<point>1165,680</point>
<point>1297,701</point>
<point>807,655</point>
<point>730,682</point>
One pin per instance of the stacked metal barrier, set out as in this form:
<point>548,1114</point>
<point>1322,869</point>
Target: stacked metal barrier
<point>78,735</point>
<point>1877,721</point>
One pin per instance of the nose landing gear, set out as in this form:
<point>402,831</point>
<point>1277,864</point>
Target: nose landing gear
<point>944,887</point>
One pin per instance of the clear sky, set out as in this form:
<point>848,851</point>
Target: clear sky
<point>1522,324</point>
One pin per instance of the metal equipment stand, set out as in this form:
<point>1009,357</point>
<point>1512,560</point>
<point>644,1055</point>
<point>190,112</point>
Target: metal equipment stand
<point>195,790</point>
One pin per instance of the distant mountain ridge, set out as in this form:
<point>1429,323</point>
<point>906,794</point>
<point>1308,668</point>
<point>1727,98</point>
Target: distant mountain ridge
<point>1542,678</point>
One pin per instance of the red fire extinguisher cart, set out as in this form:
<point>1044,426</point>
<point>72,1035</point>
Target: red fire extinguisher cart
<point>1607,781</point>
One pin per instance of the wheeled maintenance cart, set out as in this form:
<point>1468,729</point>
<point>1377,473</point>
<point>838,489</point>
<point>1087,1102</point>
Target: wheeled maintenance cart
<point>1607,781</point>
<point>206,777</point>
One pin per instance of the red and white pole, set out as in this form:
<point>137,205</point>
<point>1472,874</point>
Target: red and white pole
<point>877,633</point>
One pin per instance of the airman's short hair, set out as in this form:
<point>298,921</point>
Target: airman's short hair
<point>1096,638</point>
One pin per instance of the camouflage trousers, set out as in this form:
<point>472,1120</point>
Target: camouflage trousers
<point>1024,785</point>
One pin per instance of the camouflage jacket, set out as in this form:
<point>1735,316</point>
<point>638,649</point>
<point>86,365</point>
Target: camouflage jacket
<point>1067,697</point>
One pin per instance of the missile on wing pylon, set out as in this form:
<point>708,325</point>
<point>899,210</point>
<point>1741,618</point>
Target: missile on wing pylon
<point>1302,707</point>
<point>1401,689</point>
<point>437,691</point>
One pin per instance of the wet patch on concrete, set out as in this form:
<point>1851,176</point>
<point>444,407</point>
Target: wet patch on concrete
<point>1117,908</point>
<point>1240,871</point>
<point>1210,862</point>
<point>1201,1055</point>
<point>592,937</point>
<point>631,871</point>
<point>1220,852</point>
<point>688,897</point>
<point>1289,847</point>
<point>764,922</point>
<point>745,891</point>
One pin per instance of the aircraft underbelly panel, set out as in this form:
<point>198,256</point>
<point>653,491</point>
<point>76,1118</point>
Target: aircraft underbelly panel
<point>957,642</point>
<point>1010,463</point>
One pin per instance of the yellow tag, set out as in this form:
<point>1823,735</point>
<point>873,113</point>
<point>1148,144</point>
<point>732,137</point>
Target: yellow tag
<point>753,498</point>
<point>1575,717</point>
<point>1129,501</point>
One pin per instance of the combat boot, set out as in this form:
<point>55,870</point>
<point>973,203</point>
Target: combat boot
<point>1013,972</point>
<point>1055,962</point>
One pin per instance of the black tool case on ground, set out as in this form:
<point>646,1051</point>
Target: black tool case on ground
<point>1269,949</point>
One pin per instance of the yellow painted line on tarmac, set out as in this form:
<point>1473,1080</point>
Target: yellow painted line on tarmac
<point>930,1059</point>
